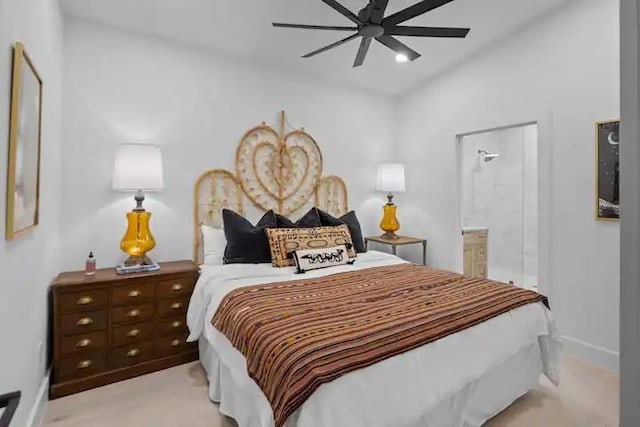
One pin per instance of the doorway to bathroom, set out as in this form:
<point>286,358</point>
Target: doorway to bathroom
<point>499,208</point>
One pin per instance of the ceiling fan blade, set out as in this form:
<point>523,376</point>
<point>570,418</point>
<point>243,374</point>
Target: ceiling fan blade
<point>343,11</point>
<point>376,11</point>
<point>427,31</point>
<point>399,47</point>
<point>313,27</point>
<point>362,52</point>
<point>331,46</point>
<point>412,11</point>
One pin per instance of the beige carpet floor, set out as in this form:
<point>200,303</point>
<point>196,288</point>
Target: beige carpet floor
<point>177,397</point>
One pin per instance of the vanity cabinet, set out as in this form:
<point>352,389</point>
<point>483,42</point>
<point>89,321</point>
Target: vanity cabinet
<point>475,253</point>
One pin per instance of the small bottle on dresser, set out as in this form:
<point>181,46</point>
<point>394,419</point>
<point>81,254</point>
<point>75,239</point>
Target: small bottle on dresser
<point>90,265</point>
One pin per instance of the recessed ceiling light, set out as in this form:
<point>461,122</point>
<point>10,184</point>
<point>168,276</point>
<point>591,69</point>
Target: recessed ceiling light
<point>401,57</point>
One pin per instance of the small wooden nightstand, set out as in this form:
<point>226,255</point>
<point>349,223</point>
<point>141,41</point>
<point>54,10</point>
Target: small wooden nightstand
<point>400,241</point>
<point>111,327</point>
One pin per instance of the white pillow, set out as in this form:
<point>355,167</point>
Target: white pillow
<point>213,244</point>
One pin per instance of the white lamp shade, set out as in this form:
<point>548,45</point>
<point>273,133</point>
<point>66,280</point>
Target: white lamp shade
<point>390,178</point>
<point>138,167</point>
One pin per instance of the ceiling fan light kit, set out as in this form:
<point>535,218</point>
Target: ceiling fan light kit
<point>371,24</point>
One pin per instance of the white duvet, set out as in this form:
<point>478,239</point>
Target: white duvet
<point>393,392</point>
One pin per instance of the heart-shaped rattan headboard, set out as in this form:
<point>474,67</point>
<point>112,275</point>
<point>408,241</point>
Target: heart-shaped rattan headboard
<point>274,170</point>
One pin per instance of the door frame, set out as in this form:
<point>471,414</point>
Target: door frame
<point>544,122</point>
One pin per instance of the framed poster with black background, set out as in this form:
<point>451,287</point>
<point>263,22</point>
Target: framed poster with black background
<point>608,170</point>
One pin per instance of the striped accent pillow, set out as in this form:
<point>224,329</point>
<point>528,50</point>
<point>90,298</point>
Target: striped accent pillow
<point>283,242</point>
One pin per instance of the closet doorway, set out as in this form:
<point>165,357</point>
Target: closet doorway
<point>499,208</point>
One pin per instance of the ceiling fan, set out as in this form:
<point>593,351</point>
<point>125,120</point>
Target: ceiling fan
<point>371,24</point>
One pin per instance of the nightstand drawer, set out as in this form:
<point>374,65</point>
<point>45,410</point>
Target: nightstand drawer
<point>81,365</point>
<point>84,342</point>
<point>172,326</point>
<point>138,332</point>
<point>131,354</point>
<point>79,323</point>
<point>132,294</point>
<point>83,301</point>
<point>172,307</point>
<point>173,344</point>
<point>134,313</point>
<point>175,288</point>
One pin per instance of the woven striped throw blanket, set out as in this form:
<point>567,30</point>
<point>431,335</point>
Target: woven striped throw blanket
<point>300,334</point>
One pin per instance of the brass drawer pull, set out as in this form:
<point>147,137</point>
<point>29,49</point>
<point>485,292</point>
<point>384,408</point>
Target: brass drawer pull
<point>84,321</point>
<point>176,324</point>
<point>83,343</point>
<point>133,313</point>
<point>133,352</point>
<point>176,287</point>
<point>176,306</point>
<point>84,364</point>
<point>84,301</point>
<point>175,343</point>
<point>133,333</point>
<point>134,294</point>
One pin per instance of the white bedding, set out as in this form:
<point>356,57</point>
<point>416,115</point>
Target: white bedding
<point>396,392</point>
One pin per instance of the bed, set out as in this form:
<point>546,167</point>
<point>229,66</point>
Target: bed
<point>461,379</point>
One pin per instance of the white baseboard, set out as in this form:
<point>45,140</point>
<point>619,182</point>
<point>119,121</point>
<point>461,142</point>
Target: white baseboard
<point>601,357</point>
<point>36,414</point>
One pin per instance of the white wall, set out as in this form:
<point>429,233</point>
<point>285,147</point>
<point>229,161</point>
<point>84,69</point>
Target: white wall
<point>196,104</point>
<point>28,263</point>
<point>563,70</point>
<point>496,195</point>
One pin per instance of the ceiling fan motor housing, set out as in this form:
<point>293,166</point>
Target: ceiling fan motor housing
<point>371,30</point>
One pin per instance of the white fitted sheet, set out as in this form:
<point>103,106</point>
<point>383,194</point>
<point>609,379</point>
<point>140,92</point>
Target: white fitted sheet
<point>436,384</point>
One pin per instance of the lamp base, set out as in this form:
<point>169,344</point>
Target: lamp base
<point>138,260</point>
<point>390,235</point>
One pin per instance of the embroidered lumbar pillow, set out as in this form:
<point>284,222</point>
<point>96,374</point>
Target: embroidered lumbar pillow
<point>313,259</point>
<point>283,242</point>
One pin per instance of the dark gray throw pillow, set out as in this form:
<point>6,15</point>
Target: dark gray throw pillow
<point>247,244</point>
<point>351,221</point>
<point>309,220</point>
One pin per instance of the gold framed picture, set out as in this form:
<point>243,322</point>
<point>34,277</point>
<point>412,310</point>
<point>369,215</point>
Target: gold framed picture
<point>23,178</point>
<point>608,170</point>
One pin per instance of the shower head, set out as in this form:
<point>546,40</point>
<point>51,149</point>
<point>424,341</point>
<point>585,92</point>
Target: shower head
<point>487,155</point>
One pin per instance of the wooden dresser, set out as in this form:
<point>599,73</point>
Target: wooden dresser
<point>110,327</point>
<point>475,253</point>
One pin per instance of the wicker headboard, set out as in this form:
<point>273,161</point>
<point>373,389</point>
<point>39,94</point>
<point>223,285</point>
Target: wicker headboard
<point>274,170</point>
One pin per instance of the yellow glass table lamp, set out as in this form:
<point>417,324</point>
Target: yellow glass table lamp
<point>390,180</point>
<point>138,167</point>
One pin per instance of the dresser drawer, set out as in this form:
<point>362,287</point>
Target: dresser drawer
<point>182,286</point>
<point>138,332</point>
<point>134,313</point>
<point>173,344</point>
<point>128,355</point>
<point>81,365</point>
<point>84,342</point>
<point>172,307</point>
<point>172,326</point>
<point>79,323</point>
<point>83,301</point>
<point>132,294</point>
